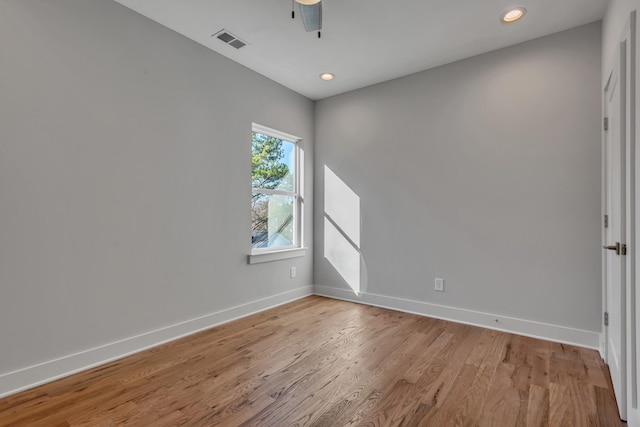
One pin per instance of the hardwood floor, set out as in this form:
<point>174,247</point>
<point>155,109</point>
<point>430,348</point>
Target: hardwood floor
<point>323,362</point>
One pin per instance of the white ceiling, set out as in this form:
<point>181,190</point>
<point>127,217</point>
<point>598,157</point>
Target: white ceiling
<point>363,41</point>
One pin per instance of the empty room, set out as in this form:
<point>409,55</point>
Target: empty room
<point>319,213</point>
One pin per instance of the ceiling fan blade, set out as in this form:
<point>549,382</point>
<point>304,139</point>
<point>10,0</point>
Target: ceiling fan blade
<point>311,16</point>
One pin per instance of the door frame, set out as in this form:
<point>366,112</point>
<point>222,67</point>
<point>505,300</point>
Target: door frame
<point>625,60</point>
<point>630,36</point>
<point>616,144</point>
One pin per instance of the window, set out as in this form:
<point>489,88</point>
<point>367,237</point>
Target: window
<point>275,196</point>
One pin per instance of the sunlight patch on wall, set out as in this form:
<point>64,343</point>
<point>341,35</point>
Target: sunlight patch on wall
<point>342,205</point>
<point>342,229</point>
<point>342,255</point>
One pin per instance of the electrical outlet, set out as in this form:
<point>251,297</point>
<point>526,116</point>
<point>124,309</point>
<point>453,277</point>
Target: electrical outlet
<point>439,285</point>
<point>292,272</point>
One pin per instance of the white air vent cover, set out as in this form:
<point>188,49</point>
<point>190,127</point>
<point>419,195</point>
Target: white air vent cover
<point>230,39</point>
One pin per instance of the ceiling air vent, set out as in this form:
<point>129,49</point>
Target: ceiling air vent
<point>237,43</point>
<point>229,39</point>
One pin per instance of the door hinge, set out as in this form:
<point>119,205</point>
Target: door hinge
<point>606,123</point>
<point>606,221</point>
<point>606,319</point>
<point>623,249</point>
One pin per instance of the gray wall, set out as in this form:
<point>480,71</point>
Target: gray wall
<point>485,172</point>
<point>125,178</point>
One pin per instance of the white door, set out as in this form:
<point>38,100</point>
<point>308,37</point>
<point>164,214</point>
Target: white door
<point>614,234</point>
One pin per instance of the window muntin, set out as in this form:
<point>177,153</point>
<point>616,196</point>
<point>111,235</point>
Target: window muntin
<point>275,199</point>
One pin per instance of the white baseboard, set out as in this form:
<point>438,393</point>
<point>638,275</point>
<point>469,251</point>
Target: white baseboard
<point>527,328</point>
<point>32,376</point>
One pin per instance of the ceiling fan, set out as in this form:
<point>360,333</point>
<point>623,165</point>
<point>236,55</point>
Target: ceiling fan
<point>311,11</point>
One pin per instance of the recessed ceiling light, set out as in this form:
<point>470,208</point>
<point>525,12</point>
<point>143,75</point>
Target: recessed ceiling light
<point>327,76</point>
<point>513,15</point>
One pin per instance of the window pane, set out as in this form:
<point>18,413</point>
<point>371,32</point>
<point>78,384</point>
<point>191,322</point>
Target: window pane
<point>272,163</point>
<point>272,220</point>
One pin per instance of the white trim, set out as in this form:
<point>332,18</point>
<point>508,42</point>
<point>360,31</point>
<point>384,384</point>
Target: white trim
<point>274,192</point>
<point>255,127</point>
<point>260,257</point>
<point>631,116</point>
<point>513,325</point>
<point>32,376</point>
<point>604,336</point>
<point>633,417</point>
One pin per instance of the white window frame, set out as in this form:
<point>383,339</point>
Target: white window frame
<point>258,255</point>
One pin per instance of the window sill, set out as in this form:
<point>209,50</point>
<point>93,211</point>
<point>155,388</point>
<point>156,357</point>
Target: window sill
<point>261,257</point>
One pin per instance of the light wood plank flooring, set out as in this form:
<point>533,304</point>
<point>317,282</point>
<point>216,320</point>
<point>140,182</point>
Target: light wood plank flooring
<point>323,362</point>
